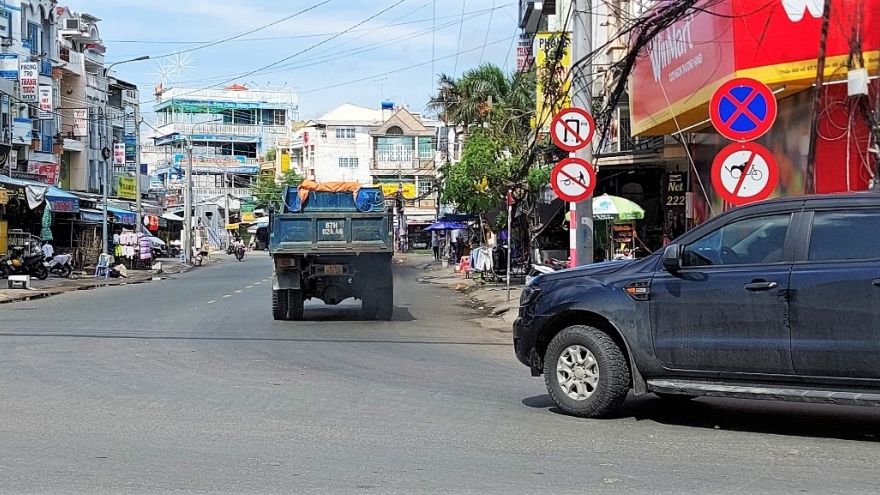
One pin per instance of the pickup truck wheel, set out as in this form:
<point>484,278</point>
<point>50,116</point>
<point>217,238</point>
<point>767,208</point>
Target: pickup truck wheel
<point>586,373</point>
<point>386,304</point>
<point>279,304</point>
<point>295,305</point>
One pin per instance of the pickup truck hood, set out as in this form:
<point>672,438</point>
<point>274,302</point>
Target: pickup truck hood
<point>591,270</point>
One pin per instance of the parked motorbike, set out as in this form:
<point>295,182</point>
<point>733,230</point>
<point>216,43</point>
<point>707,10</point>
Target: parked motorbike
<point>20,262</point>
<point>549,266</point>
<point>60,265</point>
<point>230,249</point>
<point>239,253</point>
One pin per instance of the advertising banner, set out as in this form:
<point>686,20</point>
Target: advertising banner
<point>28,79</point>
<point>525,55</point>
<point>127,187</point>
<point>45,103</point>
<point>80,122</point>
<point>9,66</point>
<point>118,153</point>
<point>48,171</point>
<point>553,62</point>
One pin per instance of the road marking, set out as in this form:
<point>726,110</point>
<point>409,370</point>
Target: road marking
<point>265,280</point>
<point>211,302</point>
<point>256,283</point>
<point>228,295</point>
<point>238,292</point>
<point>249,287</point>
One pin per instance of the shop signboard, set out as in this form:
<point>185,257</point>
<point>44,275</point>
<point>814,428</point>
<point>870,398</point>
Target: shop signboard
<point>28,79</point>
<point>4,197</point>
<point>9,66</point>
<point>127,187</point>
<point>80,122</point>
<point>550,47</point>
<point>524,53</point>
<point>778,46</point>
<point>390,190</point>
<point>118,153</point>
<point>22,129</point>
<point>130,147</point>
<point>45,103</point>
<point>48,171</point>
<point>675,191</point>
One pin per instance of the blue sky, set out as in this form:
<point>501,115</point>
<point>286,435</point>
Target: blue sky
<point>377,54</point>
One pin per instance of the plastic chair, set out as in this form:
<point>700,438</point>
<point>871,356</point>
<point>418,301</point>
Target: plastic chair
<point>103,267</point>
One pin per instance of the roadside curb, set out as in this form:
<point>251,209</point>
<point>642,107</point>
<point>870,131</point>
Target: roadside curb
<point>89,283</point>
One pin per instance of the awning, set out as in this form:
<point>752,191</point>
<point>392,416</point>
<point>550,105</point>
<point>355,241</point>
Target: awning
<point>60,201</point>
<point>90,215</point>
<point>172,217</point>
<point>122,216</point>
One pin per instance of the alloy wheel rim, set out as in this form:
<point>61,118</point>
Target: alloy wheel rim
<point>577,372</point>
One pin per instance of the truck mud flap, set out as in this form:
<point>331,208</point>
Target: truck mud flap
<point>286,279</point>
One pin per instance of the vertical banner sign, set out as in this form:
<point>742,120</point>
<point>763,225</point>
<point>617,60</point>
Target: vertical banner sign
<point>550,100</point>
<point>80,122</point>
<point>524,52</point>
<point>118,153</point>
<point>129,120</point>
<point>675,191</point>
<point>45,103</point>
<point>28,79</point>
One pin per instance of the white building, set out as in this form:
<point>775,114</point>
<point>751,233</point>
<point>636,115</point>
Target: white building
<point>389,146</point>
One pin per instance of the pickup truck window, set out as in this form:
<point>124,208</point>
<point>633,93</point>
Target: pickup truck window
<point>757,240</point>
<point>845,235</point>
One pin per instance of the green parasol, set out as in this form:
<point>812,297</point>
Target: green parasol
<point>607,207</point>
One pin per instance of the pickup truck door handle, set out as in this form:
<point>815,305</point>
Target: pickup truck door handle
<point>760,285</point>
<point>876,282</point>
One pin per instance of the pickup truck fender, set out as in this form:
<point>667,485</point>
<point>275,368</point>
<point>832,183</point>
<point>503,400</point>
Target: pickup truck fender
<point>286,279</point>
<point>569,308</point>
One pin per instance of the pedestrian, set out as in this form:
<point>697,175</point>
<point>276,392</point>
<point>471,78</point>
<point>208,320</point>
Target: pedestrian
<point>48,250</point>
<point>435,245</point>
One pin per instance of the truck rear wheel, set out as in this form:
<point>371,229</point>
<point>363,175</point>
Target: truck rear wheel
<point>386,303</point>
<point>279,304</point>
<point>295,304</point>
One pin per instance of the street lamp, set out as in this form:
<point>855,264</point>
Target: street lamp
<point>186,234</point>
<point>107,132</point>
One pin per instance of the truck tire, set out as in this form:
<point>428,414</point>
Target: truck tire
<point>295,305</point>
<point>279,304</point>
<point>370,306</point>
<point>386,303</point>
<point>586,373</point>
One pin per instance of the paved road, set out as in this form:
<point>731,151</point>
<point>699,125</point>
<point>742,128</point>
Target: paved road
<point>187,385</point>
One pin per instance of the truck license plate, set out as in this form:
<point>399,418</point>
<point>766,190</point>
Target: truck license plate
<point>332,269</point>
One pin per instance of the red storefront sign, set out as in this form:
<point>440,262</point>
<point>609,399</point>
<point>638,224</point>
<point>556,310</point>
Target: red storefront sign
<point>49,171</point>
<point>773,41</point>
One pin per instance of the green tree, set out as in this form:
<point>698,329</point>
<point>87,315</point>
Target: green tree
<point>267,191</point>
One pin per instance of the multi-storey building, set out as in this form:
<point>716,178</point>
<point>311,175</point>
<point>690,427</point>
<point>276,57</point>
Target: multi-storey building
<point>230,130</point>
<point>28,90</point>
<point>388,146</point>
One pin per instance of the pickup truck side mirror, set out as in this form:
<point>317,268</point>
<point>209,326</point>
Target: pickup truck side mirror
<point>672,258</point>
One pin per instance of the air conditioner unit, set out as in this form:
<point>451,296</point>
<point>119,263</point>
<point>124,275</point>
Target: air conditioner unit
<point>74,24</point>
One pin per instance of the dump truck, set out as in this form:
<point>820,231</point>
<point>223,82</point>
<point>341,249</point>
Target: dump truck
<point>331,242</point>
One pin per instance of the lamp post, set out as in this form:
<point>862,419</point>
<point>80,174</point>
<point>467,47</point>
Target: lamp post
<point>107,132</point>
<point>186,234</point>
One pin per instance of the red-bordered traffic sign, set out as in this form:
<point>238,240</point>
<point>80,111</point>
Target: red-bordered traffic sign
<point>744,172</point>
<point>743,109</point>
<point>572,128</point>
<point>573,179</point>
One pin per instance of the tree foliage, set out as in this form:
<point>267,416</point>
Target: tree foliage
<point>267,191</point>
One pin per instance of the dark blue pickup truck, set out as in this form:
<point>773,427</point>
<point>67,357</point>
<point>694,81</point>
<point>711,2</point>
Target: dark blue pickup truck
<point>331,246</point>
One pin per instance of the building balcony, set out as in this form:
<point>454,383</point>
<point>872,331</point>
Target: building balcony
<point>402,164</point>
<point>73,62</point>
<point>212,128</point>
<point>97,82</point>
<point>237,192</point>
<point>280,97</point>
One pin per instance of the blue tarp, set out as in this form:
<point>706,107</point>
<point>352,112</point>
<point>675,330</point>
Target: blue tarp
<point>124,216</point>
<point>59,199</point>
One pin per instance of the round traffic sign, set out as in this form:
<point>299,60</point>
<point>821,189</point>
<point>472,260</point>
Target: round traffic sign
<point>743,109</point>
<point>744,172</point>
<point>573,179</point>
<point>572,128</point>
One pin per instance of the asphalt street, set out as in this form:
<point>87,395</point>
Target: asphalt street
<point>187,385</point>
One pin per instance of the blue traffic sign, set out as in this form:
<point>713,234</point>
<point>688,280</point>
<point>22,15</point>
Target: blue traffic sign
<point>743,109</point>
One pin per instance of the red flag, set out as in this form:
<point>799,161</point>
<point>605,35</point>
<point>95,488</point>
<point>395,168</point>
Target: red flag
<point>509,198</point>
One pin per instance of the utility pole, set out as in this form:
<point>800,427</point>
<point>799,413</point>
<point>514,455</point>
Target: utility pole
<point>186,233</point>
<point>581,231</point>
<point>137,172</point>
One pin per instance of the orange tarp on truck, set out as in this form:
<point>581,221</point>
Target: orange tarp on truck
<point>308,186</point>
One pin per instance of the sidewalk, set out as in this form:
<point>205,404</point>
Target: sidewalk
<point>488,297</point>
<point>53,285</point>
